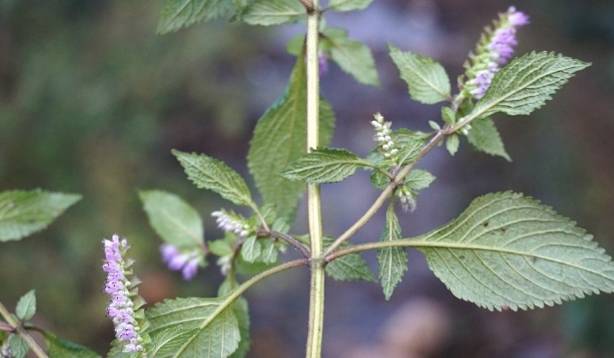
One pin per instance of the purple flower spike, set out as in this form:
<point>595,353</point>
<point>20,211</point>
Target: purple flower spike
<point>497,50</point>
<point>186,262</point>
<point>117,286</point>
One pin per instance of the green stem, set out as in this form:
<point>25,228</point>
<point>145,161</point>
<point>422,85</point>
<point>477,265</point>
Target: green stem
<point>314,207</point>
<point>38,351</point>
<point>387,192</point>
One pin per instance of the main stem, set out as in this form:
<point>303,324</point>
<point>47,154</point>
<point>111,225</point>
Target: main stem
<point>316,295</point>
<point>38,351</point>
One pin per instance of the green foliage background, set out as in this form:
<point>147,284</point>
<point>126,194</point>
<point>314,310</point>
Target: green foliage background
<point>91,101</point>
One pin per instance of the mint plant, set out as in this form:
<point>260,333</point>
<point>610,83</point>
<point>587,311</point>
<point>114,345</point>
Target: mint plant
<point>505,251</point>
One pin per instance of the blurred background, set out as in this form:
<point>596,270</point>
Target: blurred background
<point>92,101</point>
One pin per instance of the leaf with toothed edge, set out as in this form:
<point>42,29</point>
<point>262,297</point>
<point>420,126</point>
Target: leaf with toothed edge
<point>526,83</point>
<point>392,261</point>
<point>325,165</point>
<point>193,327</point>
<point>507,250</point>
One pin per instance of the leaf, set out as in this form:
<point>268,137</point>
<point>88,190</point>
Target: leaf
<point>209,173</point>
<point>251,249</point>
<point>26,306</point>
<point>273,12</point>
<point>526,83</point>
<point>177,14</point>
<point>418,180</point>
<point>241,311</point>
<point>351,267</point>
<point>349,5</point>
<point>193,327</point>
<point>427,80</point>
<point>484,136</point>
<point>392,261</point>
<point>452,144</point>
<point>279,139</point>
<point>18,346</point>
<point>25,212</point>
<point>325,165</point>
<point>60,348</point>
<point>409,143</point>
<point>352,56</point>
<point>174,220</point>
<point>510,251</point>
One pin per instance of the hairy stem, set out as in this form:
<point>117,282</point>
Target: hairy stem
<point>314,208</point>
<point>38,351</point>
<point>387,192</point>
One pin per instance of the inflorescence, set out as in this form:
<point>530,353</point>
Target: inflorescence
<point>383,136</point>
<point>494,50</point>
<point>177,260</point>
<point>121,309</point>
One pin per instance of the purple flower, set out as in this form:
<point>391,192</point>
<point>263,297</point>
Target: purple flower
<point>176,260</point>
<point>117,287</point>
<point>499,50</point>
<point>323,63</point>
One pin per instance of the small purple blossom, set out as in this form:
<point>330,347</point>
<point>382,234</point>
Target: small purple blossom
<point>323,63</point>
<point>176,260</point>
<point>117,287</point>
<point>500,50</point>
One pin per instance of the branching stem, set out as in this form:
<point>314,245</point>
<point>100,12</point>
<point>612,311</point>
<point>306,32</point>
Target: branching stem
<point>38,351</point>
<point>388,191</point>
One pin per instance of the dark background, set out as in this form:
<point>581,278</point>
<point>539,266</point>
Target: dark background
<point>92,101</point>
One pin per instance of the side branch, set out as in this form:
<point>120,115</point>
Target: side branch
<point>38,351</point>
<point>287,238</point>
<point>388,191</point>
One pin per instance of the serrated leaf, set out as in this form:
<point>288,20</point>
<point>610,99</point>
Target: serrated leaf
<point>526,83</point>
<point>251,249</point>
<point>26,306</point>
<point>193,327</point>
<point>60,348</point>
<point>354,57</point>
<point>174,220</point>
<point>409,143</point>
<point>507,250</point>
<point>419,179</point>
<point>279,139</point>
<point>220,247</point>
<point>25,212</point>
<point>18,346</point>
<point>241,312</point>
<point>392,261</point>
<point>452,144</point>
<point>427,80</point>
<point>209,173</point>
<point>484,136</point>
<point>351,267</point>
<point>273,12</point>
<point>349,5</point>
<point>177,14</point>
<point>325,165</point>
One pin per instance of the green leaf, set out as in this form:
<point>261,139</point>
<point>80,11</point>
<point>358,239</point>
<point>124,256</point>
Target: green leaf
<point>526,83</point>
<point>325,165</point>
<point>392,261</point>
<point>409,143</point>
<point>510,251</point>
<point>60,348</point>
<point>193,327</point>
<point>26,306</point>
<point>177,14</point>
<point>279,139</point>
<point>241,311</point>
<point>427,80</point>
<point>209,173</point>
<point>174,220</point>
<point>351,267</point>
<point>220,247</point>
<point>273,12</point>
<point>18,346</point>
<point>484,136</point>
<point>452,144</point>
<point>352,56</point>
<point>349,5</point>
<point>251,249</point>
<point>25,212</point>
<point>418,180</point>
